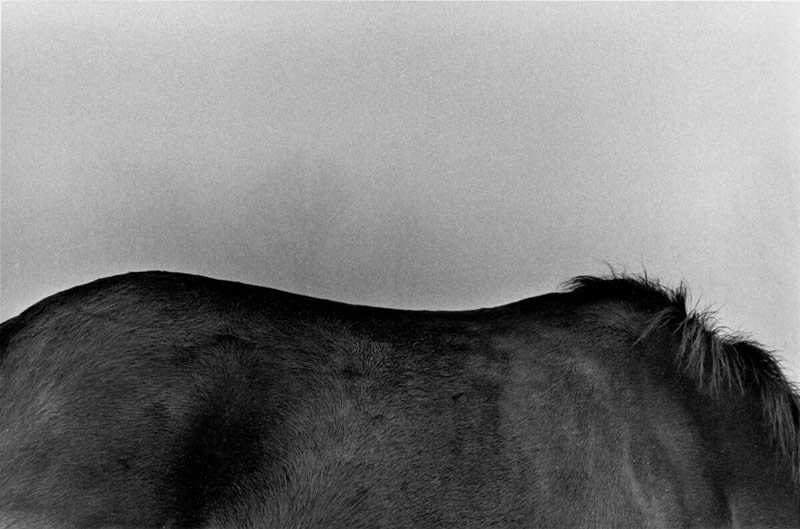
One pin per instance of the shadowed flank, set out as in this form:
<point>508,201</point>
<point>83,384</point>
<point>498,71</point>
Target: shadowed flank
<point>6,329</point>
<point>718,360</point>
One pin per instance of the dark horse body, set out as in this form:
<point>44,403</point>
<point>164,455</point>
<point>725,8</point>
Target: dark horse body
<point>168,400</point>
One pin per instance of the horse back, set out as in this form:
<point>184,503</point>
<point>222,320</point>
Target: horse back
<point>167,400</point>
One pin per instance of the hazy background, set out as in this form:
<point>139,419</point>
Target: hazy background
<point>414,155</point>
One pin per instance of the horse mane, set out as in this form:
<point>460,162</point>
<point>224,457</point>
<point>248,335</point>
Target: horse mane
<point>718,360</point>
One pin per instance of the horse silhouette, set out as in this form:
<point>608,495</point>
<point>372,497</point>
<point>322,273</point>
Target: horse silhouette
<point>166,400</point>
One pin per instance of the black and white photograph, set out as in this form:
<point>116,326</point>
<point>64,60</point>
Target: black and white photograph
<point>399,265</point>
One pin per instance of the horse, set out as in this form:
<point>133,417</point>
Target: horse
<point>167,400</point>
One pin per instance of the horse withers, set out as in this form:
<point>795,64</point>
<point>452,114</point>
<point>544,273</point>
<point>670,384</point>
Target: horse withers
<point>165,400</point>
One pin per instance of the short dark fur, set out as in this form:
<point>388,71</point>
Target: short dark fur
<point>168,400</point>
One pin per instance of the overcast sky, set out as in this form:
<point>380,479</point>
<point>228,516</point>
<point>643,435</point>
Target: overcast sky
<point>409,155</point>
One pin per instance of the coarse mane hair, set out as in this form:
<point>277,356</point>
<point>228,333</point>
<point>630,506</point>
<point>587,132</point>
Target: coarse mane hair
<point>720,361</point>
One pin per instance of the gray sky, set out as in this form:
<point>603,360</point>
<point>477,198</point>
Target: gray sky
<point>411,155</point>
